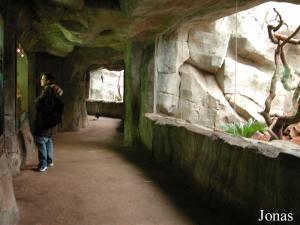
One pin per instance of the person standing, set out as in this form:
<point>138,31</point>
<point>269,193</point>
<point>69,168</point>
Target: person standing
<point>46,120</point>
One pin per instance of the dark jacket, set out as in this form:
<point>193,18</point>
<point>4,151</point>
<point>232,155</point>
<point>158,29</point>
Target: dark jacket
<point>42,127</point>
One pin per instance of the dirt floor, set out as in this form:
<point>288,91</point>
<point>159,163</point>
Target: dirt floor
<point>96,180</point>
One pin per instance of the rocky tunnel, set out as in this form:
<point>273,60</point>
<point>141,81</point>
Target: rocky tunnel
<point>180,61</point>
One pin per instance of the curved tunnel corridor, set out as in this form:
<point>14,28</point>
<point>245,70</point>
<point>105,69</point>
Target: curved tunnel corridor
<point>192,71</point>
<point>97,180</point>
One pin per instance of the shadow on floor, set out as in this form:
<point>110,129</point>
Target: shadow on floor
<point>177,186</point>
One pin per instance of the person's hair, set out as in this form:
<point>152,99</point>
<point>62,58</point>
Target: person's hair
<point>49,77</point>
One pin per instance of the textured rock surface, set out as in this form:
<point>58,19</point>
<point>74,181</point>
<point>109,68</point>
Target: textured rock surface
<point>26,143</point>
<point>168,93</point>
<point>210,46</point>
<point>207,50</point>
<point>9,213</point>
<point>59,26</point>
<point>14,155</point>
<point>62,25</point>
<point>252,84</point>
<point>172,51</point>
<point>245,80</point>
<point>251,52</point>
<point>201,100</point>
<point>245,107</point>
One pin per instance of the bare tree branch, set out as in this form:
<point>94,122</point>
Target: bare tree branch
<point>276,125</point>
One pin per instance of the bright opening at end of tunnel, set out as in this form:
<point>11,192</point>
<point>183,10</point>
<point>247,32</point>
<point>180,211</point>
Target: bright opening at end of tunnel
<point>106,85</point>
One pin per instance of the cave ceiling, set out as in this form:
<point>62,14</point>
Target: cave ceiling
<point>61,27</point>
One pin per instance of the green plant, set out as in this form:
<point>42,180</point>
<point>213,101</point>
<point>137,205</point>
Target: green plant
<point>245,129</point>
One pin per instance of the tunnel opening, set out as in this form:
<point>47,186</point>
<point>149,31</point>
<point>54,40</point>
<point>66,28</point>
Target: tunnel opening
<point>105,93</point>
<point>218,74</point>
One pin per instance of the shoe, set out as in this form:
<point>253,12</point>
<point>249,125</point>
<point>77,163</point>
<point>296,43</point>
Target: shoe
<point>43,168</point>
<point>50,164</point>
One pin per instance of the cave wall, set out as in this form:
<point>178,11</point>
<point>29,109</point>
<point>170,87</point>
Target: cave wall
<point>9,213</point>
<point>10,160</point>
<point>158,139</point>
<point>9,71</point>
<point>240,175</point>
<point>74,84</point>
<point>138,89</point>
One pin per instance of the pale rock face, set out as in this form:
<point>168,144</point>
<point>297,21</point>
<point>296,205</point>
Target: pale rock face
<point>167,103</point>
<point>253,85</point>
<point>248,51</point>
<point>211,47</point>
<point>249,81</point>
<point>166,56</point>
<point>171,53</point>
<point>207,50</point>
<point>168,83</point>
<point>245,107</point>
<point>201,100</point>
<point>168,93</point>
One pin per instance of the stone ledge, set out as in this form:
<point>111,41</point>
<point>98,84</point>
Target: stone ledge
<point>239,174</point>
<point>270,149</point>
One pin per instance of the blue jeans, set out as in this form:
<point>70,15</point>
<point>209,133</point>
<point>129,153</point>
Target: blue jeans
<point>45,146</point>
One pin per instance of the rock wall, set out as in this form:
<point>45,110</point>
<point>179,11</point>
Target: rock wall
<point>139,89</point>
<point>201,80</point>
<point>232,174</point>
<point>9,213</point>
<point>28,150</point>
<point>9,88</point>
<point>75,115</point>
<point>240,175</point>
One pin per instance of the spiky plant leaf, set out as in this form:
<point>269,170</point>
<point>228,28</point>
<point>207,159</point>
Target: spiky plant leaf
<point>246,129</point>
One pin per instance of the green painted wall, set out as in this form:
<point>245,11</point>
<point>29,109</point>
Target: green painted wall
<point>22,80</point>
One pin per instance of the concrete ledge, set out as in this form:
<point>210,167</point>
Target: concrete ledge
<point>270,149</point>
<point>242,174</point>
